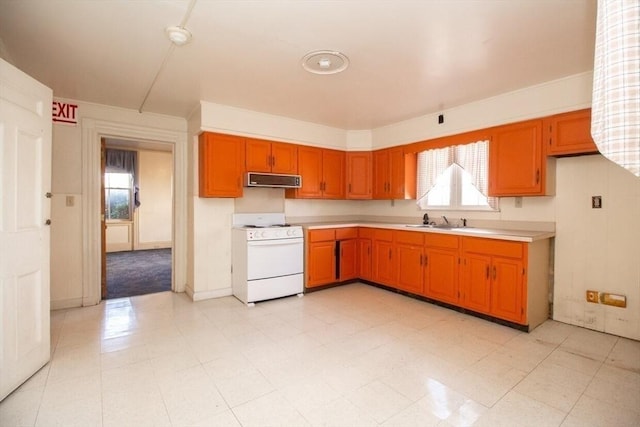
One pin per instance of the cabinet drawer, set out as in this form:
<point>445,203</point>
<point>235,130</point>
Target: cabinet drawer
<point>346,233</point>
<point>324,235</point>
<point>409,237</point>
<point>366,233</point>
<point>382,234</point>
<point>442,241</point>
<point>502,248</point>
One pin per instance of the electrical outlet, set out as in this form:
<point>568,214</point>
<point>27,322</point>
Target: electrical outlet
<point>596,202</point>
<point>593,296</point>
<point>518,202</point>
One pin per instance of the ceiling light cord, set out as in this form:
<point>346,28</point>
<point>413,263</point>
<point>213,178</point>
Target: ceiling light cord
<point>172,46</point>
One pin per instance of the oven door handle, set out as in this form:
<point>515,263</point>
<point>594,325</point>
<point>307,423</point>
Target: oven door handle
<point>277,242</point>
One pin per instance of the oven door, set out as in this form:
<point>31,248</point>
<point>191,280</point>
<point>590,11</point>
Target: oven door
<point>274,258</point>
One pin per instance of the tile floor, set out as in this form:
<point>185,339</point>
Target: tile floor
<point>349,356</point>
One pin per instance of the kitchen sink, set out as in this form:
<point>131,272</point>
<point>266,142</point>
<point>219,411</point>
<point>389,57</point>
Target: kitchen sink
<point>438,226</point>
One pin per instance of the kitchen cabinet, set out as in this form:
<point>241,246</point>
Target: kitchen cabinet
<point>271,156</point>
<point>569,133</point>
<point>441,265</point>
<point>322,172</point>
<point>384,271</point>
<point>332,256</point>
<point>365,253</point>
<point>394,174</point>
<point>517,161</point>
<point>220,165</point>
<point>494,278</point>
<point>409,249</point>
<point>347,241</point>
<point>359,173</point>
<point>321,257</point>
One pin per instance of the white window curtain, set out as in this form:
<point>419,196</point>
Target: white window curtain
<point>431,164</point>
<point>615,115</point>
<point>473,158</point>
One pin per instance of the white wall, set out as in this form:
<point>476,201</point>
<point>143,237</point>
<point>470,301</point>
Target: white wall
<point>597,249</point>
<point>71,286</point>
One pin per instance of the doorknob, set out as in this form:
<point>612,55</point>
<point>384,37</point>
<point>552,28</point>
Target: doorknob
<point>47,222</point>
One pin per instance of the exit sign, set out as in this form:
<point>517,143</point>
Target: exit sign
<point>64,113</point>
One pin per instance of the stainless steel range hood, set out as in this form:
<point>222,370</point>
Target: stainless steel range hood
<point>272,180</point>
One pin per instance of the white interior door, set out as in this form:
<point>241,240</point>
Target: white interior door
<point>25,180</point>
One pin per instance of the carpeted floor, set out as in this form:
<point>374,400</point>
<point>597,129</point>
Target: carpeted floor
<point>138,272</point>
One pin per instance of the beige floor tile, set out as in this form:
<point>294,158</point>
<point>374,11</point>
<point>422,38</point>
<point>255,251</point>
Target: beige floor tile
<point>354,355</point>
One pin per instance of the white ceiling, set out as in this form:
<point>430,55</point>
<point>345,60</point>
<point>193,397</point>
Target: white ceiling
<point>408,58</point>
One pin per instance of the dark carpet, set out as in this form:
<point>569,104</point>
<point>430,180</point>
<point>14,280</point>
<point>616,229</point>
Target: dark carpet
<point>133,273</point>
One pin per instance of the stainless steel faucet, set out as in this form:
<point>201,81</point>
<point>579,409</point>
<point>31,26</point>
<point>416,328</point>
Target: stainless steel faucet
<point>444,218</point>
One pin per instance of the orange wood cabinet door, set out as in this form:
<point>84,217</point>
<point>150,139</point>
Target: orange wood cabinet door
<point>258,157</point>
<point>359,169</point>
<point>284,158</point>
<point>348,259</point>
<point>476,283</point>
<point>321,257</point>
<point>310,167</point>
<point>569,133</point>
<point>507,289</point>
<point>516,164</point>
<point>333,186</point>
<point>409,251</point>
<point>396,173</point>
<point>365,259</point>
<point>321,264</point>
<point>384,258</point>
<point>270,156</point>
<point>381,174</point>
<point>221,165</point>
<point>441,274</point>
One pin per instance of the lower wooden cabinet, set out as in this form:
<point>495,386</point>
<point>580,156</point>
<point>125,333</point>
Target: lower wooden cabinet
<point>494,277</point>
<point>332,256</point>
<point>409,249</point>
<point>503,279</point>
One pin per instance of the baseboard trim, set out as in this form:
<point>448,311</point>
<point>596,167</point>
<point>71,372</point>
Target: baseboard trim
<point>65,303</point>
<point>216,293</point>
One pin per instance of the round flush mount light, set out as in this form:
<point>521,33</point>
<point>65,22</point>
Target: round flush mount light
<point>325,62</point>
<point>178,35</point>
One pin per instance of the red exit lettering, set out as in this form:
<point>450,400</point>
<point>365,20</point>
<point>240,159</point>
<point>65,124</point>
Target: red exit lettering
<point>64,113</point>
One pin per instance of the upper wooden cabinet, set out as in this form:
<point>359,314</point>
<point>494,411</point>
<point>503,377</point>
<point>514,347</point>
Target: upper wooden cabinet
<point>517,164</point>
<point>359,167</point>
<point>270,156</point>
<point>221,165</point>
<point>394,174</point>
<point>569,134</point>
<point>322,172</point>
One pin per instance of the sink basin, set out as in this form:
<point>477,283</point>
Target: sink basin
<point>439,226</point>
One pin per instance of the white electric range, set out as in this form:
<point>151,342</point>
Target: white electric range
<point>267,257</point>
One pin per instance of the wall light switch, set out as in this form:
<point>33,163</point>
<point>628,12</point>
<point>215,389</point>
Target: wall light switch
<point>596,202</point>
<point>69,201</point>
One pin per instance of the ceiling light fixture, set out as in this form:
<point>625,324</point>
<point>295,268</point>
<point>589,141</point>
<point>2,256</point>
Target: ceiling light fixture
<point>178,35</point>
<point>325,62</point>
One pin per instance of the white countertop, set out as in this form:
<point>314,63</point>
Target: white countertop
<point>489,233</point>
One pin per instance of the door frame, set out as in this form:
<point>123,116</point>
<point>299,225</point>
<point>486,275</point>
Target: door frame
<point>92,132</point>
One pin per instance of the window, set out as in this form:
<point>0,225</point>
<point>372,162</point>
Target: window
<point>455,178</point>
<point>118,191</point>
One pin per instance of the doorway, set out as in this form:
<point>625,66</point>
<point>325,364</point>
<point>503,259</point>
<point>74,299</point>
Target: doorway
<point>137,202</point>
